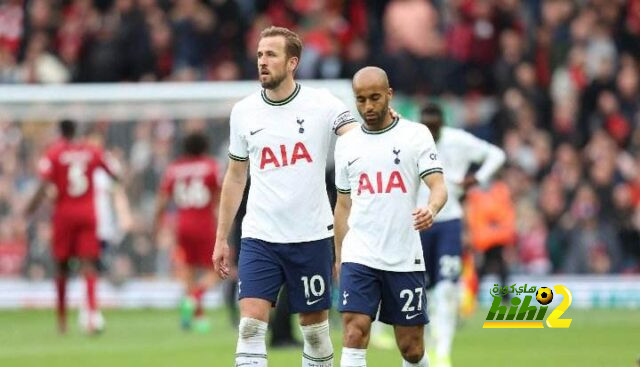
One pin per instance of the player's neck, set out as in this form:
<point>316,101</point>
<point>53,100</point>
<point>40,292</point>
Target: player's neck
<point>388,120</point>
<point>283,91</point>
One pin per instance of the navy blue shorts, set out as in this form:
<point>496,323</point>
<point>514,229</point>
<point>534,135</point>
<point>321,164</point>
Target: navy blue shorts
<point>401,296</point>
<point>306,268</point>
<point>442,248</point>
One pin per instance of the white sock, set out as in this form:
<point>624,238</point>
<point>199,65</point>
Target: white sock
<point>424,362</point>
<point>318,350</point>
<point>252,349</point>
<point>352,357</point>
<point>446,297</point>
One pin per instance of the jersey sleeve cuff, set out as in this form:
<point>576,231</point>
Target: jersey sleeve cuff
<point>343,191</point>
<point>238,158</point>
<point>344,123</point>
<point>427,172</point>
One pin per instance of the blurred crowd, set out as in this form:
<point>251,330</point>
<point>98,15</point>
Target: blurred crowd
<point>555,83</point>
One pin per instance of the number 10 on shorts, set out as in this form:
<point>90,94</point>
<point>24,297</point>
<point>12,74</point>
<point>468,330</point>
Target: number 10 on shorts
<point>314,286</point>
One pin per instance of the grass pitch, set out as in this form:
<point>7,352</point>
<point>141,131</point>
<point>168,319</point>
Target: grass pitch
<point>152,338</point>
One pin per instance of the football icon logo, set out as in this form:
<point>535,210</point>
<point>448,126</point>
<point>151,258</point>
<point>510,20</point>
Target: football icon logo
<point>544,295</point>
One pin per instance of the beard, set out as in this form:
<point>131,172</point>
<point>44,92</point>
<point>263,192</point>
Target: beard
<point>379,119</point>
<point>273,81</point>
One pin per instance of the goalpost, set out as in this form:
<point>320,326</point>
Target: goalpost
<point>131,101</point>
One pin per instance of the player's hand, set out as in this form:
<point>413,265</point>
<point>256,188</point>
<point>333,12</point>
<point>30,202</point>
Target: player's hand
<point>394,114</point>
<point>220,258</point>
<point>422,218</point>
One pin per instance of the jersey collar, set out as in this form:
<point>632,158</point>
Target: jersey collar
<point>376,132</point>
<point>281,102</point>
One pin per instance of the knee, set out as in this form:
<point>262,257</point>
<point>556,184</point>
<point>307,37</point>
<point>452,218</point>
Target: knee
<point>356,335</point>
<point>317,338</point>
<point>412,352</point>
<point>251,328</point>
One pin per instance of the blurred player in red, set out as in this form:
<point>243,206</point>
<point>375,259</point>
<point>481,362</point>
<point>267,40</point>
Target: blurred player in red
<point>68,165</point>
<point>192,183</point>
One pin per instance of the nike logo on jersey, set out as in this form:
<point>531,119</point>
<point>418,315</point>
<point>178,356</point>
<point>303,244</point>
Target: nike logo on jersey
<point>309,303</point>
<point>409,317</point>
<point>256,131</point>
<point>352,162</point>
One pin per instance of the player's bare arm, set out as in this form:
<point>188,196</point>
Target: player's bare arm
<point>35,200</point>
<point>122,207</point>
<point>494,158</point>
<point>215,200</point>
<point>423,217</point>
<point>233,186</point>
<point>340,227</point>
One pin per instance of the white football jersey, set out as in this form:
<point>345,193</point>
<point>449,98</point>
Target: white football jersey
<point>382,171</point>
<point>458,150</point>
<point>107,224</point>
<point>287,143</point>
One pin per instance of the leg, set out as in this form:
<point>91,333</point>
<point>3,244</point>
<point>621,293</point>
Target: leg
<point>61,292</point>
<point>94,320</point>
<point>90,272</point>
<point>360,287</point>
<point>252,349</point>
<point>404,306</point>
<point>307,268</point>
<point>207,280</point>
<point>189,300</point>
<point>87,249</point>
<point>61,250</point>
<point>429,240</point>
<point>446,293</point>
<point>260,277</point>
<point>318,349</point>
<point>356,328</point>
<point>410,341</point>
<point>503,267</point>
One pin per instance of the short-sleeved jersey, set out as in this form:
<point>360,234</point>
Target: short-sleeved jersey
<point>287,144</point>
<point>458,150</point>
<point>70,167</point>
<point>192,183</point>
<point>382,171</point>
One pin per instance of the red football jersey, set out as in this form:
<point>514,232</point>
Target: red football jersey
<point>192,183</point>
<point>70,166</point>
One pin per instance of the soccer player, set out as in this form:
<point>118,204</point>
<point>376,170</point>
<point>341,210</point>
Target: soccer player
<point>379,169</point>
<point>283,135</point>
<point>69,165</point>
<point>113,214</point>
<point>192,183</point>
<point>442,243</point>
